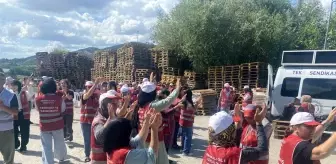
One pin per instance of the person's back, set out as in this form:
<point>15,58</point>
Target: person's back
<point>49,107</point>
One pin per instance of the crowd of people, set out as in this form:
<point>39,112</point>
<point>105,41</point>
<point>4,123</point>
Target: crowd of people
<point>141,123</point>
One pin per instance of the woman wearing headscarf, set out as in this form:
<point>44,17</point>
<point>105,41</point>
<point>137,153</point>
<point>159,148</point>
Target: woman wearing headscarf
<point>22,120</point>
<point>224,140</point>
<point>249,135</point>
<point>108,110</point>
<point>51,108</point>
<point>297,147</point>
<point>122,149</point>
<point>146,102</point>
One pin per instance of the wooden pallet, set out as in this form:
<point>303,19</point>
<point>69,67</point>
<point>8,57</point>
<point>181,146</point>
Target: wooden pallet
<point>280,128</point>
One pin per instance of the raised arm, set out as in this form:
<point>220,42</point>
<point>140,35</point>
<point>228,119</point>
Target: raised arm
<point>253,153</point>
<point>324,150</point>
<point>89,93</point>
<point>165,103</point>
<point>121,112</point>
<point>321,128</point>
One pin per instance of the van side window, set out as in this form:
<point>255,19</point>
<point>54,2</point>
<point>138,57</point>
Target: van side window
<point>290,87</point>
<point>319,88</point>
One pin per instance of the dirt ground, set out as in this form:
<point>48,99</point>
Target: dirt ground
<point>76,149</point>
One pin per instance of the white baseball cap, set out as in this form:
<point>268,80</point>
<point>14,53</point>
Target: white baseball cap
<point>304,118</point>
<point>108,94</point>
<point>148,87</point>
<point>124,88</point>
<point>145,80</point>
<point>9,79</point>
<point>220,121</point>
<point>226,85</point>
<point>89,83</point>
<point>246,87</point>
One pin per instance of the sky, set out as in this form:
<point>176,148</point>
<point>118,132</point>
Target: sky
<point>30,26</point>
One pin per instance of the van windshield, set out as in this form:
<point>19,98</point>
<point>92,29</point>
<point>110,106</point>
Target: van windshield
<point>319,88</point>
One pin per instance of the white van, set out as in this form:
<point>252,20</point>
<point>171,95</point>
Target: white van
<point>311,72</point>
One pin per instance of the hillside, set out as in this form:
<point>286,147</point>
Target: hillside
<point>25,66</point>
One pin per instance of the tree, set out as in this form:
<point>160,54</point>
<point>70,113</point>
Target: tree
<point>59,51</point>
<point>222,32</point>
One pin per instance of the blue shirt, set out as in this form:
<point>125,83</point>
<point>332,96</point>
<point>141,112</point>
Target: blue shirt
<point>140,156</point>
<point>8,99</point>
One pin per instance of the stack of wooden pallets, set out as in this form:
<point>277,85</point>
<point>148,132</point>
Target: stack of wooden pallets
<point>72,66</point>
<point>167,62</point>
<point>140,74</point>
<point>253,74</point>
<point>195,80</point>
<point>280,128</point>
<point>104,65</point>
<point>207,103</point>
<point>216,78</point>
<point>130,57</point>
<point>232,75</point>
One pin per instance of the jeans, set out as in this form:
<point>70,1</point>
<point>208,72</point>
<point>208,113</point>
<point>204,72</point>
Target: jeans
<point>7,146</point>
<point>59,146</point>
<point>86,130</point>
<point>24,125</point>
<point>177,127</point>
<point>187,133</point>
<point>68,120</point>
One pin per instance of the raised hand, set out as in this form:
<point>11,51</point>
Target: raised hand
<point>178,83</point>
<point>331,116</point>
<point>260,113</point>
<point>156,121</point>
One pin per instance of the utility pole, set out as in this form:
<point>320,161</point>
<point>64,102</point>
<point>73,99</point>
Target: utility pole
<point>328,24</point>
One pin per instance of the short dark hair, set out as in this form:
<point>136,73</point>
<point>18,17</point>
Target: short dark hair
<point>18,84</point>
<point>48,86</point>
<point>117,134</point>
<point>112,85</point>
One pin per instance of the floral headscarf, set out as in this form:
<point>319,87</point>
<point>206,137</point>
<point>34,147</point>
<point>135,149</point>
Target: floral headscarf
<point>224,138</point>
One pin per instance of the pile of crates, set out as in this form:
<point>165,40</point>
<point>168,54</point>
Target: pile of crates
<point>195,80</point>
<point>71,66</point>
<point>232,75</point>
<point>130,57</point>
<point>253,74</point>
<point>216,78</point>
<point>140,74</point>
<point>167,63</point>
<point>206,101</point>
<point>280,128</point>
<point>104,65</point>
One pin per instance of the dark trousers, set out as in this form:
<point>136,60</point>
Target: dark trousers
<point>68,120</point>
<point>24,125</point>
<point>176,131</point>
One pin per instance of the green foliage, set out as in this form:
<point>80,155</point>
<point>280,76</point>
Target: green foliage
<point>222,32</point>
<point>59,51</point>
<point>21,70</point>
